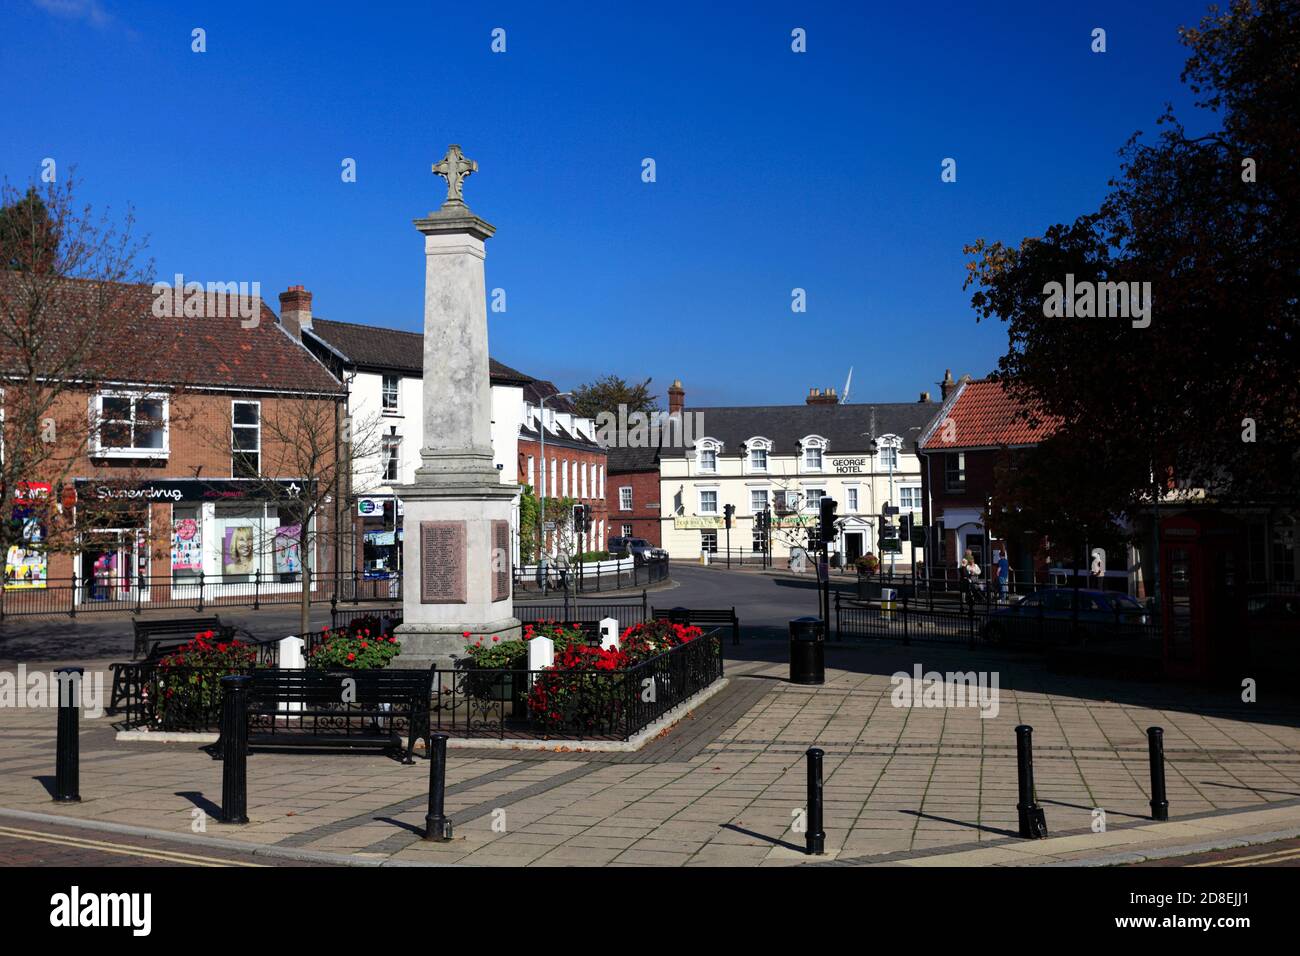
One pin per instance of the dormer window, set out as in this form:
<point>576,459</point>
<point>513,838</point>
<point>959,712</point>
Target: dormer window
<point>706,456</point>
<point>756,452</point>
<point>812,449</point>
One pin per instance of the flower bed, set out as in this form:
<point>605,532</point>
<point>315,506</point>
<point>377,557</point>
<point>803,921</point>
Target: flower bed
<point>185,686</point>
<point>354,648</point>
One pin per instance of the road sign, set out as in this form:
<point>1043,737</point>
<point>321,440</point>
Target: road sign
<point>890,510</point>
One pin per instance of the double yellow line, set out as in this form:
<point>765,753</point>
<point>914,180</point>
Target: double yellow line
<point>1258,859</point>
<point>122,849</point>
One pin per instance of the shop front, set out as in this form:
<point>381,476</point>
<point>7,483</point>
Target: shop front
<point>172,539</point>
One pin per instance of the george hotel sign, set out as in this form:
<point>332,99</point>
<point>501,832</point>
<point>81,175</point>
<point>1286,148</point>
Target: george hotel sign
<point>695,522</point>
<point>850,466</point>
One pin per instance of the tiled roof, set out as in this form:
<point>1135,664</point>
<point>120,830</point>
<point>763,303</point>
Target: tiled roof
<point>845,427</point>
<point>400,351</point>
<point>984,415</point>
<point>190,351</point>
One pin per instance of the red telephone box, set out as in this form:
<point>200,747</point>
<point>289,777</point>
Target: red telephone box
<point>1202,596</point>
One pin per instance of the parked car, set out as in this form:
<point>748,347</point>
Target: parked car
<point>1047,617</point>
<point>638,548</point>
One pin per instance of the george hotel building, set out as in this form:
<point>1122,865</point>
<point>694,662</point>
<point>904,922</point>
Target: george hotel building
<point>787,458</point>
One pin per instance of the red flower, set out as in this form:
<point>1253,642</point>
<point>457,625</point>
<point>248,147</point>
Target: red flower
<point>352,657</point>
<point>495,638</point>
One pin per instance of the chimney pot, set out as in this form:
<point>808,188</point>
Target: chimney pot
<point>676,397</point>
<point>295,310</point>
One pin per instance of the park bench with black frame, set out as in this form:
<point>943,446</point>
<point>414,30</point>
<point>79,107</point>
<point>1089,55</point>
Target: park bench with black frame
<point>701,616</point>
<point>307,708</point>
<point>154,640</point>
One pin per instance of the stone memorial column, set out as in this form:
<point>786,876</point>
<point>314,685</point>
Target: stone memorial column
<point>457,548</point>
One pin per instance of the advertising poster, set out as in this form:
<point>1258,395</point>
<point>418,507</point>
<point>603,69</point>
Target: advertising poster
<point>288,559</point>
<point>187,552</point>
<point>239,550</point>
<point>25,563</point>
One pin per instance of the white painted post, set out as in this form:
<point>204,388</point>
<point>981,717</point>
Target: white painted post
<point>609,634</point>
<point>292,658</point>
<point>541,653</point>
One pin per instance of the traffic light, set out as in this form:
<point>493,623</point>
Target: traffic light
<point>905,527</point>
<point>581,515</point>
<point>828,529</point>
<point>727,512</point>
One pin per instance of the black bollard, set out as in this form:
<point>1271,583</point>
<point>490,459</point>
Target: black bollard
<point>1156,750</point>
<point>436,825</point>
<point>816,837</point>
<point>234,744</point>
<point>1033,823</point>
<point>67,758</point>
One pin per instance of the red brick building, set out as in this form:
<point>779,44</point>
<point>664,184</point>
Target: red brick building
<point>633,496</point>
<point>575,463</point>
<point>976,427</point>
<point>179,481</point>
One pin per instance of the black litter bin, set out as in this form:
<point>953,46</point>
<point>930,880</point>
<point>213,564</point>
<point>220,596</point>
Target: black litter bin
<point>807,651</point>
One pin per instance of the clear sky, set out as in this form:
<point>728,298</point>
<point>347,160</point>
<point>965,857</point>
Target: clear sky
<point>775,170</point>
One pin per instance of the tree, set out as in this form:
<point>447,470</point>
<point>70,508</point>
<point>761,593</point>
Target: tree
<point>70,305</point>
<point>609,392</point>
<point>313,460</point>
<point>1212,223</point>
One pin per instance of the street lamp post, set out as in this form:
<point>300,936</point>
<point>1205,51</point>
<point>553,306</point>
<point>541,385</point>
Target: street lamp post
<point>541,500</point>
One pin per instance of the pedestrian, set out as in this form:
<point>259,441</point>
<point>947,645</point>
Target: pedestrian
<point>1004,575</point>
<point>970,576</point>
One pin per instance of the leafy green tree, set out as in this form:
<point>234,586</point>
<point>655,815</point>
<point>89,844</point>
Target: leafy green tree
<point>608,392</point>
<point>1213,223</point>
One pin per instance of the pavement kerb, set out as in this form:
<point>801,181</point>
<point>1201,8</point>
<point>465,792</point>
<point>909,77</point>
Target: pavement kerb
<point>207,842</point>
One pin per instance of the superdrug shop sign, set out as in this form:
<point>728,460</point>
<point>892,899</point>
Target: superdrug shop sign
<point>187,489</point>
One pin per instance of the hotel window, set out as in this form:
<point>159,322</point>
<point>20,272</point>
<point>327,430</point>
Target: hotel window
<point>708,502</point>
<point>601,492</point>
<point>812,459</point>
<point>627,531</point>
<point>709,540</point>
<point>391,392</point>
<point>757,500</point>
<point>532,472</point>
<point>553,485</point>
<point>889,458</point>
<point>582,470</point>
<point>130,425</point>
<point>909,498</point>
<point>564,479</point>
<point>625,498</point>
<point>245,439</point>
<point>851,500</point>
<point>758,459</point>
<point>708,459</point>
<point>759,542</point>
<point>813,499</point>
<point>954,471</point>
<point>392,456</point>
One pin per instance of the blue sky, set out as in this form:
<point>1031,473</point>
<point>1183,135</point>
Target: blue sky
<point>775,170</point>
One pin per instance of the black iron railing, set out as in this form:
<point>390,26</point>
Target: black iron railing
<point>573,704</point>
<point>618,575</point>
<point>80,595</point>
<point>627,613</point>
<point>1011,625</point>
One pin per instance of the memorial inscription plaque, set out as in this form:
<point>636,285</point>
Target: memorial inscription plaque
<point>442,562</point>
<point>500,560</point>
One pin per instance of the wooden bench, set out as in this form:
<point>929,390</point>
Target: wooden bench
<point>688,615</point>
<point>154,640</point>
<point>316,708</point>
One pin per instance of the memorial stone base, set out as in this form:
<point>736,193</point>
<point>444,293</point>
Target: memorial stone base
<point>456,553</point>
